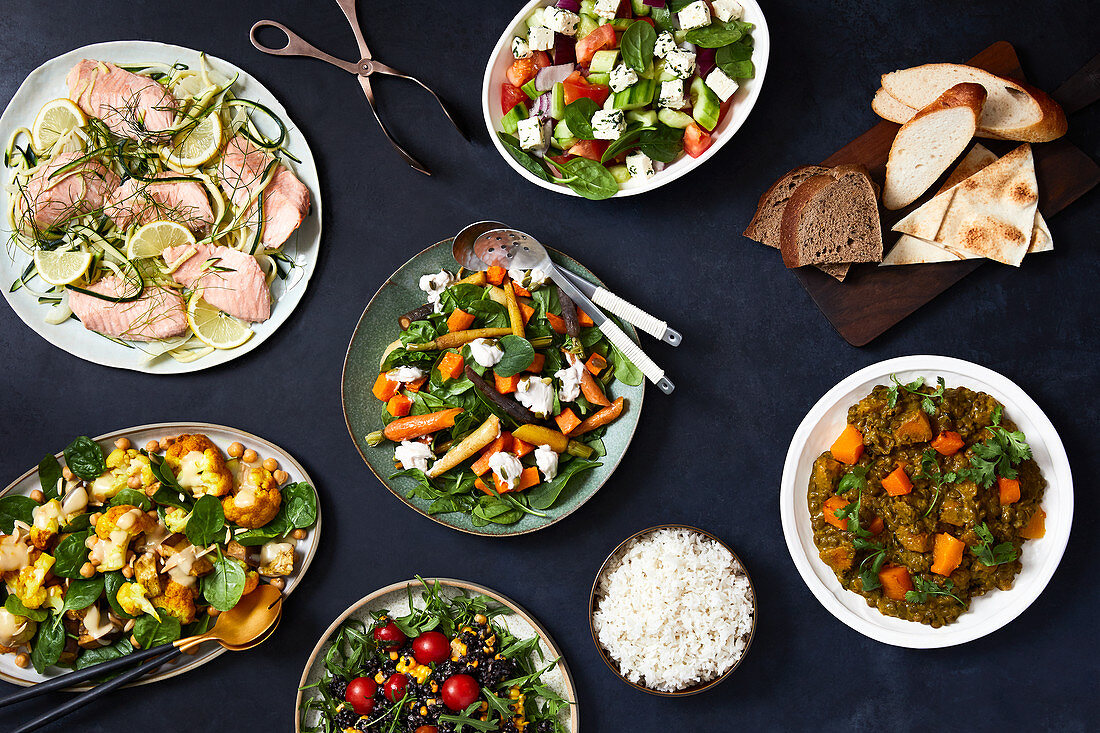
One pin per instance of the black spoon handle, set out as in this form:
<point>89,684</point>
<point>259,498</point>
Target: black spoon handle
<point>83,699</point>
<point>89,673</point>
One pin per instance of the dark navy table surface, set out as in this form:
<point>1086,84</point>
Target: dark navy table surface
<point>756,355</point>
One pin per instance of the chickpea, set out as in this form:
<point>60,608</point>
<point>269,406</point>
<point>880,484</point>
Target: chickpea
<point>67,474</point>
<point>278,583</point>
<point>87,570</point>
<point>250,456</point>
<point>134,642</point>
<point>480,618</point>
<point>167,441</point>
<point>271,464</point>
<point>298,534</point>
<point>212,612</point>
<point>127,572</point>
<point>22,661</point>
<point>123,444</point>
<point>95,518</point>
<point>281,477</point>
<point>134,482</point>
<point>152,446</point>
<point>37,496</point>
<point>235,450</point>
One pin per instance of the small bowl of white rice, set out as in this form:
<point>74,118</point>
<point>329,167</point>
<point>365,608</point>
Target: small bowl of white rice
<point>673,610</point>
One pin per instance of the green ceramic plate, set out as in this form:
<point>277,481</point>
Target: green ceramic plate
<point>363,413</point>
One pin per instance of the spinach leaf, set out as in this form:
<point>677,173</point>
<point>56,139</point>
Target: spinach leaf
<point>79,523</point>
<point>546,494</point>
<point>662,18</point>
<point>49,475</point>
<point>588,178</point>
<point>16,509</point>
<point>521,156</point>
<point>112,581</point>
<point>84,457</point>
<point>676,6</point>
<point>277,527</point>
<point>735,59</point>
<point>150,632</point>
<point>300,501</point>
<point>83,593</point>
<point>92,657</point>
<point>637,46</point>
<point>625,141</point>
<point>132,497</point>
<point>625,371</point>
<point>16,607</point>
<point>719,34</point>
<point>223,587</point>
<point>70,555</point>
<point>578,117</point>
<point>489,312</point>
<point>663,143</point>
<point>170,492</point>
<point>48,643</point>
<point>206,523</point>
<point>518,355</point>
<point>495,510</point>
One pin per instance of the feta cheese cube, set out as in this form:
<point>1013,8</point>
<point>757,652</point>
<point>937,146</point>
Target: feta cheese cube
<point>679,62</point>
<point>520,48</point>
<point>672,94</point>
<point>622,76</point>
<point>665,43</point>
<point>531,133</point>
<point>721,84</point>
<point>607,8</point>
<point>696,15</point>
<point>640,166</point>
<point>727,10</point>
<point>540,38</point>
<point>608,124</point>
<point>562,21</point>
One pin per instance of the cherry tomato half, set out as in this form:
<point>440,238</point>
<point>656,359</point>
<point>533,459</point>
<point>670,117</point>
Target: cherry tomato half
<point>427,729</point>
<point>394,689</point>
<point>389,635</point>
<point>460,691</point>
<point>360,694</point>
<point>431,647</point>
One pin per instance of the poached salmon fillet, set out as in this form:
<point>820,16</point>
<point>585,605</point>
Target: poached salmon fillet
<point>157,314</point>
<point>140,202</point>
<point>285,199</point>
<point>48,199</point>
<point>129,104</point>
<point>230,280</point>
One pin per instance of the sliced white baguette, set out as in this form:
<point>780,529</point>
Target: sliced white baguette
<point>927,144</point>
<point>1013,110</point>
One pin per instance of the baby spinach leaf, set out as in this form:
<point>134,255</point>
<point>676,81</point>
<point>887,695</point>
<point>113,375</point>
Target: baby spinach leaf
<point>521,156</point>
<point>662,143</point>
<point>637,46</point>
<point>518,355</point>
<point>70,555</point>
<point>719,34</point>
<point>49,476</point>
<point>223,587</point>
<point>300,501</point>
<point>735,59</point>
<point>625,141</point>
<point>578,118</point>
<point>16,607</point>
<point>132,497</point>
<point>495,510</point>
<point>84,457</point>
<point>112,581</point>
<point>625,371</point>
<point>150,632</point>
<point>589,179</point>
<point>48,644</point>
<point>207,521</point>
<point>83,593</point>
<point>662,18</point>
<point>546,494</point>
<point>16,509</point>
<point>92,657</point>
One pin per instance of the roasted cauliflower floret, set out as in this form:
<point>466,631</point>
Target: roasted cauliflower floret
<point>132,598</point>
<point>48,519</point>
<point>122,465</point>
<point>114,531</point>
<point>175,519</point>
<point>199,466</point>
<point>14,630</point>
<point>256,502</point>
<point>177,601</point>
<point>251,580</point>
<point>277,558</point>
<point>28,584</point>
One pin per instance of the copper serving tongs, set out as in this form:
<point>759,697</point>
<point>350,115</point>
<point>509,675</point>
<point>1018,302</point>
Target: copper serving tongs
<point>297,46</point>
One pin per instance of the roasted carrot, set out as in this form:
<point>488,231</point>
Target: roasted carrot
<point>538,435</point>
<point>384,389</point>
<point>1009,489</point>
<point>1036,527</point>
<point>521,290</point>
<point>592,390</point>
<point>848,447</point>
<point>897,483</point>
<point>495,275</point>
<point>416,384</point>
<point>595,364</point>
<point>506,385</point>
<point>515,318</point>
<point>526,311</point>
<point>537,363</point>
<point>399,405</point>
<point>948,443</point>
<point>584,319</point>
<point>476,278</point>
<point>459,320</point>
<point>520,448</point>
<point>527,479</point>
<point>503,443</point>
<point>405,428</point>
<point>601,418</point>
<point>451,365</point>
<point>567,420</point>
<point>895,581</point>
<point>556,322</point>
<point>947,553</point>
<point>458,338</point>
<point>829,509</point>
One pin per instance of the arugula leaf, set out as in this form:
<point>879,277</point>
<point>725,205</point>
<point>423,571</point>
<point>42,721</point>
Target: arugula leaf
<point>637,45</point>
<point>988,553</point>
<point>578,117</point>
<point>521,156</point>
<point>925,589</point>
<point>518,355</point>
<point>84,457</point>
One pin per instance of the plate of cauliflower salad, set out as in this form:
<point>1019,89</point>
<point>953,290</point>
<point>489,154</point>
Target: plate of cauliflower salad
<point>130,541</point>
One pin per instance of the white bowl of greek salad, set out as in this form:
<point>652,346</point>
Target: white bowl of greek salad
<point>598,98</point>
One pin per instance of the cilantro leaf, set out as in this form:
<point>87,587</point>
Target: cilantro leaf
<point>988,553</point>
<point>925,589</point>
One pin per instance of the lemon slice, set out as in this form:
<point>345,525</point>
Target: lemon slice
<point>215,328</point>
<point>61,268</point>
<point>199,144</point>
<point>55,119</point>
<point>154,237</point>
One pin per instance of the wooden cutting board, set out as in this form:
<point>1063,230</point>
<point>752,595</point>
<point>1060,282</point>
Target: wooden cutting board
<point>873,298</point>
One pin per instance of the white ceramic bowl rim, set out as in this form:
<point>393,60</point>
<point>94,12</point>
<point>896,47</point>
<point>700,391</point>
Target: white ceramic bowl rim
<point>987,613</point>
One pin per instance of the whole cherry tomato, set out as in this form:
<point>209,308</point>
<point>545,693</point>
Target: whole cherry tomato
<point>394,689</point>
<point>389,635</point>
<point>360,694</point>
<point>460,691</point>
<point>431,646</point>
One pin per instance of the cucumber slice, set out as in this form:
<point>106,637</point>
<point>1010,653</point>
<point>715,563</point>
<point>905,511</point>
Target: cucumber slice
<point>536,17</point>
<point>562,131</point>
<point>637,96</point>
<point>510,122</point>
<point>647,117</point>
<point>621,24</point>
<point>588,7</point>
<point>599,77</point>
<point>604,61</point>
<point>706,107</point>
<point>640,8</point>
<point>662,73</point>
<point>557,101</point>
<point>587,24</point>
<point>672,118</point>
<point>530,91</point>
<point>622,175</point>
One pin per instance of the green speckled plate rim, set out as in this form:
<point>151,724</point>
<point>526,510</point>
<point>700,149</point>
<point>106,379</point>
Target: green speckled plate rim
<point>366,346</point>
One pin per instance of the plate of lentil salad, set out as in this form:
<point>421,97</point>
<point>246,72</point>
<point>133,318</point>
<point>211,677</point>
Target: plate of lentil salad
<point>46,608</point>
<point>462,487</point>
<point>436,656</point>
<point>961,493</point>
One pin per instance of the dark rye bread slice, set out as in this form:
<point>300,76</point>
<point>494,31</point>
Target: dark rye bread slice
<point>832,218</point>
<point>764,227</point>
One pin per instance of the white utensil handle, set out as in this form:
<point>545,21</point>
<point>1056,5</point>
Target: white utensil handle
<point>632,351</point>
<point>629,312</point>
